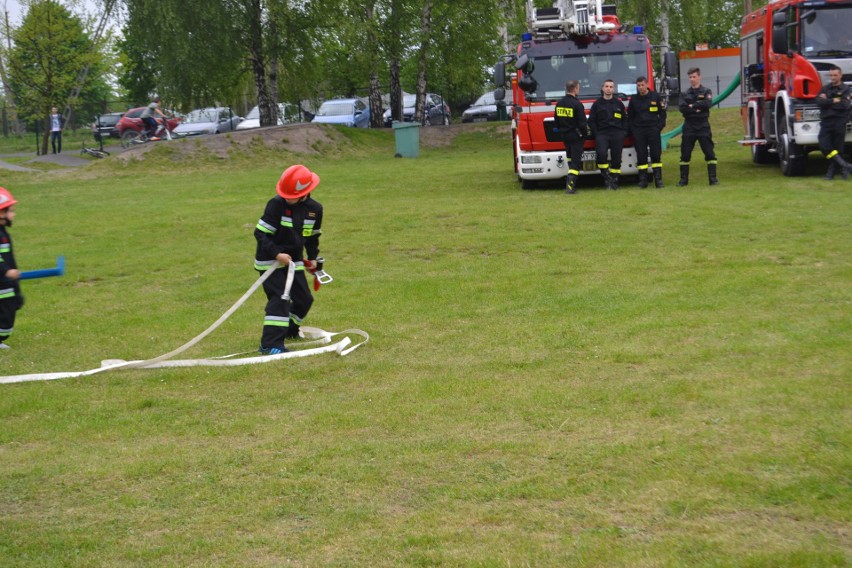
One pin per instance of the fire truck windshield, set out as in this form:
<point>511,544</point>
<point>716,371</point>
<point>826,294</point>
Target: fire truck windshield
<point>591,70</point>
<point>825,31</point>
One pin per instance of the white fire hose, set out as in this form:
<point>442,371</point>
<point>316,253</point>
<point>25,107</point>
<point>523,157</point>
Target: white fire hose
<point>343,346</point>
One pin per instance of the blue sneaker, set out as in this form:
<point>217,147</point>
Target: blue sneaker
<point>272,350</point>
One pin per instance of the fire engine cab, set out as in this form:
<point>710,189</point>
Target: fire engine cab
<point>580,40</point>
<point>787,49</point>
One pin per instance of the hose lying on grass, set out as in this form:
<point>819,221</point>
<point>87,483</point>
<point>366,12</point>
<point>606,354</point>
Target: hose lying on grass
<point>315,336</point>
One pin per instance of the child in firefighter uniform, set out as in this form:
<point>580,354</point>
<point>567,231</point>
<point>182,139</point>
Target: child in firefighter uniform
<point>288,230</point>
<point>11,299</point>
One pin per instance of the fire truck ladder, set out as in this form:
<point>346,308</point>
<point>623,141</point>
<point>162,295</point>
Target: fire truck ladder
<point>569,17</point>
<point>84,72</point>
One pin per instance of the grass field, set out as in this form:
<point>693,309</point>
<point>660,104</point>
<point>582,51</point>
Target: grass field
<point>636,378</point>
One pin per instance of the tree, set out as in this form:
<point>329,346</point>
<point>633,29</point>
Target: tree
<point>51,48</point>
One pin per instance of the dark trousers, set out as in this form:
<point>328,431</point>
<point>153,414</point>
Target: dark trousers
<point>612,141</point>
<point>574,153</point>
<point>56,141</point>
<point>832,137</point>
<point>688,144</point>
<point>8,309</point>
<point>282,317</point>
<point>645,139</point>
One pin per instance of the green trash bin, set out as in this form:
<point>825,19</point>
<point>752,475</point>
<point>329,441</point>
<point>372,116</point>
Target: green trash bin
<point>407,135</point>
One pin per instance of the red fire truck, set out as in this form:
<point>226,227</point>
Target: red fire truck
<point>787,48</point>
<point>575,39</point>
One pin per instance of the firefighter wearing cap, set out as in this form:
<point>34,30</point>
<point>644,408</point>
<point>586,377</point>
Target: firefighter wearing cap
<point>288,230</point>
<point>11,299</point>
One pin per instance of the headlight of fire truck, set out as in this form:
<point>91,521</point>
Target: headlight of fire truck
<point>530,159</point>
<point>807,115</point>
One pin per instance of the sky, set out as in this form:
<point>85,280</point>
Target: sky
<point>16,11</point>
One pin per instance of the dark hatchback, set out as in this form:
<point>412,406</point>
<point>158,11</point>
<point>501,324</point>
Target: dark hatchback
<point>104,125</point>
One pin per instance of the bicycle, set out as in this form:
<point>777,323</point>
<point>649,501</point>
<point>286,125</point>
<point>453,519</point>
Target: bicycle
<point>94,152</point>
<point>132,137</point>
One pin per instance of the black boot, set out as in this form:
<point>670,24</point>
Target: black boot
<point>684,175</point>
<point>643,178</point>
<point>613,181</point>
<point>711,174</point>
<point>571,184</point>
<point>658,177</point>
<point>829,175</point>
<point>845,167</point>
<point>607,178</point>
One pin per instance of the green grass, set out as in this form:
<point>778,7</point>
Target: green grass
<point>632,378</point>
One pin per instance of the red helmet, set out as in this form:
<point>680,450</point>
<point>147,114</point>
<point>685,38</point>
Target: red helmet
<point>297,181</point>
<point>6,199</point>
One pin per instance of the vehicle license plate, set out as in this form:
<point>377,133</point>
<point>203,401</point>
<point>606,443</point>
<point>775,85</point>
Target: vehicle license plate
<point>480,119</point>
<point>590,161</point>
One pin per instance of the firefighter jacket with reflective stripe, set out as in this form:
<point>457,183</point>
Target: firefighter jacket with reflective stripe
<point>8,288</point>
<point>646,111</point>
<point>828,108</point>
<point>570,117</point>
<point>608,115</point>
<point>289,229</point>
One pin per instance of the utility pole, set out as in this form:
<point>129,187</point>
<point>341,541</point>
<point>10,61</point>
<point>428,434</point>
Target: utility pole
<point>7,89</point>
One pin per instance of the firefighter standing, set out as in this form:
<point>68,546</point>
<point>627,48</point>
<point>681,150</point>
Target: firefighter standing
<point>646,114</point>
<point>291,223</point>
<point>608,120</point>
<point>570,117</point>
<point>695,106</point>
<point>834,101</point>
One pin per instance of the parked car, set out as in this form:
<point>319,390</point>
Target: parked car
<point>287,114</point>
<point>211,120</point>
<point>349,112</point>
<point>131,121</point>
<point>105,126</point>
<point>485,108</point>
<point>436,110</point>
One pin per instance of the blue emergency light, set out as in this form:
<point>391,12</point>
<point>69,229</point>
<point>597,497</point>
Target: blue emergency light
<point>526,37</point>
<point>638,29</point>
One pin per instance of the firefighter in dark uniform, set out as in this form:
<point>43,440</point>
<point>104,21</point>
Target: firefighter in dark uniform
<point>646,114</point>
<point>608,120</point>
<point>834,101</point>
<point>695,106</point>
<point>291,224</point>
<point>570,117</point>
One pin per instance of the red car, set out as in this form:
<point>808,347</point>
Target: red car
<point>131,121</point>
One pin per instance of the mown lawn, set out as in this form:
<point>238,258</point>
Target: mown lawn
<point>632,378</point>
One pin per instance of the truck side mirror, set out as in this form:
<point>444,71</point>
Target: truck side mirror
<point>779,39</point>
<point>499,74</point>
<point>669,64</point>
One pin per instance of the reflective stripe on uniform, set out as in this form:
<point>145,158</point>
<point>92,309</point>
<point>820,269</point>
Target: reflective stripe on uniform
<point>831,154</point>
<point>7,293</point>
<point>657,166</point>
<point>5,333</point>
<point>266,227</point>
<point>276,321</point>
<point>573,172</point>
<point>603,166</point>
<point>642,167</point>
<point>615,171</point>
<point>287,222</point>
<point>308,227</point>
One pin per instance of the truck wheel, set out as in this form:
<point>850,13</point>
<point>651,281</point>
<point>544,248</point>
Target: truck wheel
<point>791,156</point>
<point>527,184</point>
<point>759,154</point>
